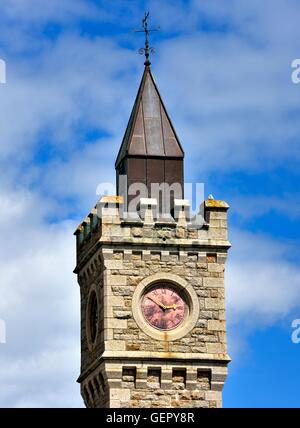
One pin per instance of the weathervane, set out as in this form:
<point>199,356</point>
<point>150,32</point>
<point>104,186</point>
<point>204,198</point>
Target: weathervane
<point>147,49</point>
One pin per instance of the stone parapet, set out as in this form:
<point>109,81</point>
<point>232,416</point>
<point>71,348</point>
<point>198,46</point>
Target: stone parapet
<point>113,226</point>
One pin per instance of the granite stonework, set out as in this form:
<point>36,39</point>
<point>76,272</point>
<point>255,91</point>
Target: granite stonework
<point>126,366</point>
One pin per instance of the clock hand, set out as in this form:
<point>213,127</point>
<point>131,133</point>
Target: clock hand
<point>157,302</point>
<point>171,307</point>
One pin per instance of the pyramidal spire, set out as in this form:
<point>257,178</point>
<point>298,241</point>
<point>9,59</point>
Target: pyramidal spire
<point>149,131</point>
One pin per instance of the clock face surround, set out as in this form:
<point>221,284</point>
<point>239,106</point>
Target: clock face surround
<point>164,306</point>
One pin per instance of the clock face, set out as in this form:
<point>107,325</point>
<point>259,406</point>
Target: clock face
<point>164,307</point>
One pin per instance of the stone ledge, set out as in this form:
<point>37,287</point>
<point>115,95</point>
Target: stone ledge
<point>113,361</point>
<point>186,356</point>
<point>112,199</point>
<point>156,242</point>
<point>215,203</point>
<point>147,246</point>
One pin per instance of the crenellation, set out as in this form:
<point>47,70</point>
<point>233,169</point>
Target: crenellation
<point>182,212</point>
<point>149,385</point>
<point>112,228</point>
<point>148,210</point>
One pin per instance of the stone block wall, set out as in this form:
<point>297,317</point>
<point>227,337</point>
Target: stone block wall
<point>113,257</point>
<point>123,275</point>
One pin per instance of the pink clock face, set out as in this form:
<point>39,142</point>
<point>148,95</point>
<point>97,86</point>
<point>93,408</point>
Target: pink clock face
<point>163,307</point>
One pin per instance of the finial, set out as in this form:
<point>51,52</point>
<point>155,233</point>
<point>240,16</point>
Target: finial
<point>147,49</point>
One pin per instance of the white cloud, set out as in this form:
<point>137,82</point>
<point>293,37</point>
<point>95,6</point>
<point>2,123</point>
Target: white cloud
<point>82,172</point>
<point>39,12</point>
<point>262,286</point>
<point>46,379</point>
<point>40,304</point>
<point>248,207</point>
<point>232,102</point>
<point>59,93</point>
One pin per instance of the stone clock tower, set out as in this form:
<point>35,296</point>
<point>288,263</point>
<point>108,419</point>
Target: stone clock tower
<point>151,279</point>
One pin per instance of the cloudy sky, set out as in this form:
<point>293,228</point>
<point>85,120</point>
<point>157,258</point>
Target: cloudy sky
<point>224,70</point>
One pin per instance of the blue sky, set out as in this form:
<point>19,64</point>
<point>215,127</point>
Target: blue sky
<point>224,72</point>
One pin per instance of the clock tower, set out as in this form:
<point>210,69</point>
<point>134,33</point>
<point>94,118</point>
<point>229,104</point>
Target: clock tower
<point>151,278</point>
